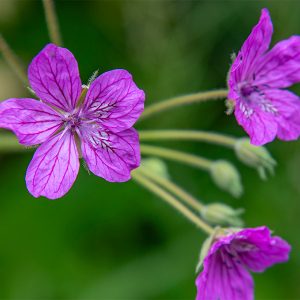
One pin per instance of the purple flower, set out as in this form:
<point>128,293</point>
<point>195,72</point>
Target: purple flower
<point>257,79</point>
<point>71,124</point>
<point>225,274</point>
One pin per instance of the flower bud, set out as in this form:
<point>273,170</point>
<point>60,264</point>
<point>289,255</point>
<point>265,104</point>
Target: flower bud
<point>226,177</point>
<point>221,214</point>
<point>157,166</point>
<point>254,156</point>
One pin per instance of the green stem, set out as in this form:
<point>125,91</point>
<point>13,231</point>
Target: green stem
<point>183,100</point>
<point>13,61</point>
<point>190,159</point>
<point>52,22</point>
<point>173,188</point>
<point>193,135</point>
<point>155,189</point>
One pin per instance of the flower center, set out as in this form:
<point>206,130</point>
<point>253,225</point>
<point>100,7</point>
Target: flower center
<point>247,90</point>
<point>72,121</point>
<point>252,97</point>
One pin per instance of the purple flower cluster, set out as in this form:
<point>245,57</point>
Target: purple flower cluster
<point>72,122</point>
<point>95,122</point>
<point>257,82</point>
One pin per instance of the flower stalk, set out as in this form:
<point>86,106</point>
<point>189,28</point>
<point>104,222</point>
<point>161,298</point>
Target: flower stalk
<point>52,22</point>
<point>12,60</point>
<point>183,100</point>
<point>174,189</point>
<point>189,159</point>
<point>188,135</point>
<point>155,189</point>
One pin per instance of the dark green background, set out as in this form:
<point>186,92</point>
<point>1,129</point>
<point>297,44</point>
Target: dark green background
<point>117,241</point>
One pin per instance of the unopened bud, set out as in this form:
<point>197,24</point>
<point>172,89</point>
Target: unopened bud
<point>156,166</point>
<point>221,214</point>
<point>227,177</point>
<point>255,156</point>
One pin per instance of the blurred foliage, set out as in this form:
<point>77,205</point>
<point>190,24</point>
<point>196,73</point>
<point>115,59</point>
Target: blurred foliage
<point>117,241</point>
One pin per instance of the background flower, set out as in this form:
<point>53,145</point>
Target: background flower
<point>257,79</point>
<point>226,268</point>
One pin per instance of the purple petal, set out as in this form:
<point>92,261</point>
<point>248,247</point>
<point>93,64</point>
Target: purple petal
<point>266,250</point>
<point>54,167</point>
<point>112,155</point>
<point>280,67</point>
<point>254,46</point>
<point>54,77</point>
<point>32,121</point>
<point>223,278</point>
<point>114,100</point>
<point>261,126</point>
<point>287,106</point>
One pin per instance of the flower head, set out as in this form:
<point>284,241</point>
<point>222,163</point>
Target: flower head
<point>225,274</point>
<point>72,120</point>
<point>257,79</point>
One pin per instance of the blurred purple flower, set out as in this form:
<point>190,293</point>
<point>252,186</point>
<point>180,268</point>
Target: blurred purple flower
<point>256,82</point>
<point>225,274</point>
<point>70,124</point>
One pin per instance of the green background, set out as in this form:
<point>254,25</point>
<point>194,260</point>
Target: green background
<point>117,241</point>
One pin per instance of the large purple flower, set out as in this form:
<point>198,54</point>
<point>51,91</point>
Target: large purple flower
<point>71,121</point>
<point>225,274</point>
<point>256,82</point>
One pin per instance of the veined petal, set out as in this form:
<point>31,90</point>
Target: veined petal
<point>287,106</point>
<point>223,278</point>
<point>32,121</point>
<point>254,46</point>
<point>114,100</point>
<point>280,67</point>
<point>258,250</point>
<point>54,77</point>
<point>260,125</point>
<point>111,155</point>
<point>54,167</point>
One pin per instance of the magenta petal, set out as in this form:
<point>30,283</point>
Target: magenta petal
<point>287,106</point>
<point>265,251</point>
<point>280,67</point>
<point>114,100</point>
<point>113,155</point>
<point>32,121</point>
<point>54,167</point>
<point>223,278</point>
<point>225,274</point>
<point>260,126</point>
<point>256,44</point>
<point>54,77</point>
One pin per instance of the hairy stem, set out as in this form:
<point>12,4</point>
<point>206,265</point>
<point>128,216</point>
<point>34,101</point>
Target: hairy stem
<point>193,135</point>
<point>161,193</point>
<point>13,61</point>
<point>52,22</point>
<point>190,159</point>
<point>183,100</point>
<point>173,188</point>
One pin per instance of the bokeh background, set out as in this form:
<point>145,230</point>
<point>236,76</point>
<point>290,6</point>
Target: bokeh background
<point>117,241</point>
